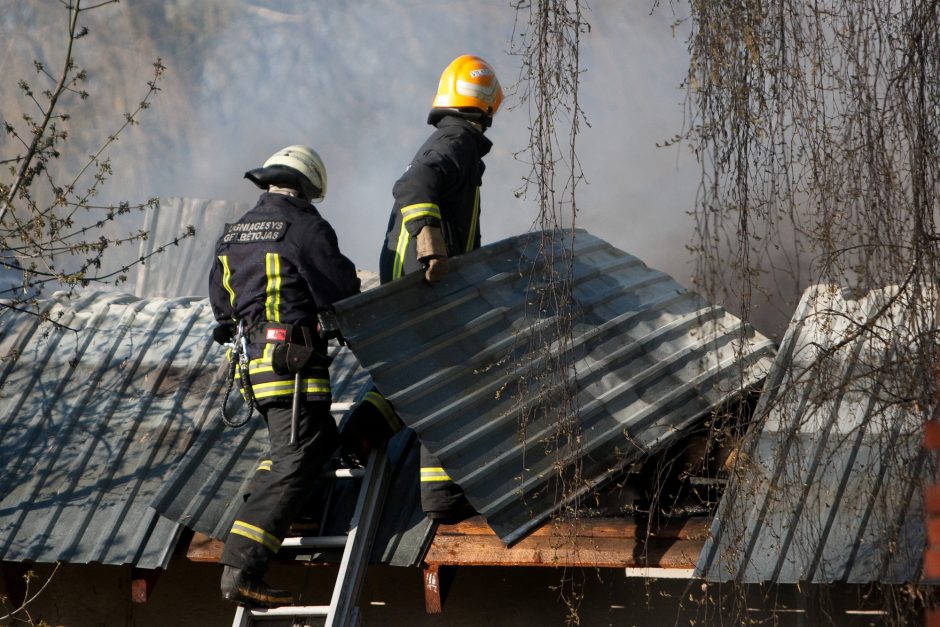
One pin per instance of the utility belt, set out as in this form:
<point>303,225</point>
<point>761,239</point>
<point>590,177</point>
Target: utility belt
<point>278,333</point>
<point>296,347</point>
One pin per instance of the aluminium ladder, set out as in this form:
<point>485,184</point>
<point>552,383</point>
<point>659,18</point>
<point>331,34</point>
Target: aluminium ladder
<point>356,544</point>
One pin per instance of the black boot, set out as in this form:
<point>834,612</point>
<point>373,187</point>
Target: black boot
<point>249,589</point>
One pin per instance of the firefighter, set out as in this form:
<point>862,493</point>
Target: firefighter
<point>436,215</point>
<point>275,270</point>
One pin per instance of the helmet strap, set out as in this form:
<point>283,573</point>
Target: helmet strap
<point>471,114</point>
<point>284,178</point>
<point>286,191</point>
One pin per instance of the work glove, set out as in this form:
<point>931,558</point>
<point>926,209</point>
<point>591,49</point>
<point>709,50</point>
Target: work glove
<point>432,253</point>
<point>223,333</point>
<point>328,328</point>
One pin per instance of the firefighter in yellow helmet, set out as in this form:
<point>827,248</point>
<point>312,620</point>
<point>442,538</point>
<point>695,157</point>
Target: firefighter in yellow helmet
<point>437,200</point>
<point>436,216</point>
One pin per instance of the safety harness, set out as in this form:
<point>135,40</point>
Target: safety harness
<point>238,360</point>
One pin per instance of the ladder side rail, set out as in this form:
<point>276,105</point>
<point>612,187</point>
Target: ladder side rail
<point>242,617</point>
<point>362,531</point>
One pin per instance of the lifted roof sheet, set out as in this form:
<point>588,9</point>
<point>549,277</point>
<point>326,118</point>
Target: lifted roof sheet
<point>651,358</point>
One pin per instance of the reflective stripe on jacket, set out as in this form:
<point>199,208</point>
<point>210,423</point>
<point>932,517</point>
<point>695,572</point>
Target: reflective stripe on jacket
<point>280,262</point>
<point>440,188</point>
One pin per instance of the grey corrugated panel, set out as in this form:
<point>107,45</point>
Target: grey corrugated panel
<point>830,486</point>
<point>161,276</point>
<point>92,421</point>
<point>651,359</point>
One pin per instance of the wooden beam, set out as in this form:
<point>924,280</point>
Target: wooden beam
<point>605,543</point>
<point>143,581</point>
<point>202,548</point>
<point>685,529</point>
<point>432,589</point>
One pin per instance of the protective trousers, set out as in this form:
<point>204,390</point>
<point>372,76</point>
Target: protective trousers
<point>441,498</point>
<point>281,484</point>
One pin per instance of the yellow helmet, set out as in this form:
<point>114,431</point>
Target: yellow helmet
<point>468,87</point>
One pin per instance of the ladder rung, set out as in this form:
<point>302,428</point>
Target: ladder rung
<point>343,473</point>
<point>291,610</point>
<point>316,542</point>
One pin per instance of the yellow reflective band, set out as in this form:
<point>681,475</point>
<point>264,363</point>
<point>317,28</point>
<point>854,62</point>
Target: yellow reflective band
<point>398,266</point>
<point>283,388</point>
<point>266,464</point>
<point>418,210</point>
<point>475,216</point>
<point>272,303</point>
<point>378,401</point>
<point>227,279</point>
<point>434,474</point>
<point>259,535</point>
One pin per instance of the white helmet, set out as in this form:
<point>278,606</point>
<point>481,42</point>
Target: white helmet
<point>307,163</point>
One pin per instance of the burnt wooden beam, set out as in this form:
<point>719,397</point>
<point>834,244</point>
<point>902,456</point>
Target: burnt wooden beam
<point>143,581</point>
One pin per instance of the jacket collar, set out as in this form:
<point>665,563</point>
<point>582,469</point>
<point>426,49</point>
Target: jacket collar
<point>267,199</point>
<point>483,143</point>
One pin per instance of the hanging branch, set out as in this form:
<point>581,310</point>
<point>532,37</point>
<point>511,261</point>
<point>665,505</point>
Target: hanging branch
<point>816,129</point>
<point>547,39</point>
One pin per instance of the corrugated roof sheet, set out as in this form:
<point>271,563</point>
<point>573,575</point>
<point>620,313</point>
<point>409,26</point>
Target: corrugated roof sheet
<point>161,276</point>
<point>93,420</point>
<point>830,486</point>
<point>651,359</point>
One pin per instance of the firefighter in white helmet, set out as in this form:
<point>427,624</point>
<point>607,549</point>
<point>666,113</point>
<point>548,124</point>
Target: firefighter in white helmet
<point>276,269</point>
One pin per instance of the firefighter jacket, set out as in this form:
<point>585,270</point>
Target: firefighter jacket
<point>275,269</point>
<point>440,188</point>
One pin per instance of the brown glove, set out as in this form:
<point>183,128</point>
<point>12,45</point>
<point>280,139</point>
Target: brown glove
<point>432,253</point>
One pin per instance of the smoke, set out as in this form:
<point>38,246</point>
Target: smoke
<point>355,80</point>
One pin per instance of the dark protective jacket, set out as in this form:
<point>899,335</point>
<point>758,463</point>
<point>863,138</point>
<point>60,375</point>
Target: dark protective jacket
<point>441,188</point>
<point>279,265</point>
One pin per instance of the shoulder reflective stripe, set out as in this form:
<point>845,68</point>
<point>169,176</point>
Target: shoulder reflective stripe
<point>379,402</point>
<point>398,267</point>
<point>474,219</point>
<point>272,303</point>
<point>434,474</point>
<point>227,278</point>
<point>420,209</point>
<point>259,535</point>
<point>266,464</point>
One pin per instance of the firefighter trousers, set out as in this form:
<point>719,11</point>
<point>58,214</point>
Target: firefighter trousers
<point>441,498</point>
<point>281,483</point>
